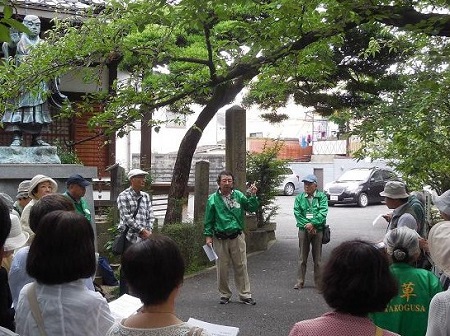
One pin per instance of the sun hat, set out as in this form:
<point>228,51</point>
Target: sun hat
<point>136,172</point>
<point>311,178</point>
<point>22,189</point>
<point>39,179</point>
<point>16,238</point>
<point>439,245</point>
<point>7,200</point>
<point>77,179</point>
<point>394,190</point>
<point>443,202</point>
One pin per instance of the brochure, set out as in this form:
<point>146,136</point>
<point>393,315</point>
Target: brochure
<point>214,329</point>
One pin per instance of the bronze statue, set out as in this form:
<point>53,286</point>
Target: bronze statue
<point>30,113</point>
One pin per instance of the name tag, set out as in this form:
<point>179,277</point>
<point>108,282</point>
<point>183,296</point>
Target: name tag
<point>309,216</point>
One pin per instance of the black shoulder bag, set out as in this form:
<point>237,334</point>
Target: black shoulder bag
<point>118,246</point>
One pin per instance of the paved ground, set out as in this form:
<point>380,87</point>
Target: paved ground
<point>273,274</point>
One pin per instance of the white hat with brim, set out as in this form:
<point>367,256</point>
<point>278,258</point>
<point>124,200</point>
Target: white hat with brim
<point>394,190</point>
<point>136,172</point>
<point>16,238</point>
<point>439,246</point>
<point>443,202</point>
<point>39,179</point>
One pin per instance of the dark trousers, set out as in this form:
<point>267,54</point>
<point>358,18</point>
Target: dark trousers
<point>123,285</point>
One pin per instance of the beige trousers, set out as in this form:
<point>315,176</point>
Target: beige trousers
<point>232,252</point>
<point>305,241</point>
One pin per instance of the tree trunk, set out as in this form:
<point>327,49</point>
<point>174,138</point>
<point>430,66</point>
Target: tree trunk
<point>223,94</point>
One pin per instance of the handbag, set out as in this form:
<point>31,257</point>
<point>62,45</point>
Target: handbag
<point>118,246</point>
<point>326,234</point>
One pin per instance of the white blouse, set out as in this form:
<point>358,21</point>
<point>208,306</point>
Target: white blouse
<point>67,309</point>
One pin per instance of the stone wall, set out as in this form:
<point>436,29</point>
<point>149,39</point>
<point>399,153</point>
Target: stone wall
<point>162,167</point>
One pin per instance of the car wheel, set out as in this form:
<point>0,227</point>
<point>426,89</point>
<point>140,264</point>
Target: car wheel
<point>289,189</point>
<point>363,200</point>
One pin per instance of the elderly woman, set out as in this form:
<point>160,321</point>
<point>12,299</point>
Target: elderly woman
<point>407,312</point>
<point>356,281</point>
<point>40,186</point>
<point>61,255</point>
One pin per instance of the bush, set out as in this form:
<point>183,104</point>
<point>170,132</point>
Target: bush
<point>190,240</point>
<point>266,171</point>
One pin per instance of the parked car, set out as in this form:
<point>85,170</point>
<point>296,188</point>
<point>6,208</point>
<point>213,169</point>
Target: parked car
<point>290,184</point>
<point>359,185</point>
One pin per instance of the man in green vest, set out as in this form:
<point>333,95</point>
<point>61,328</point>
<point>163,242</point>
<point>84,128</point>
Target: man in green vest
<point>76,189</point>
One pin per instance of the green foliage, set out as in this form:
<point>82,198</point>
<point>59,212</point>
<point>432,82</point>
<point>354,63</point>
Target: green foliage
<point>66,154</point>
<point>8,21</point>
<point>330,55</point>
<point>265,170</point>
<point>190,239</point>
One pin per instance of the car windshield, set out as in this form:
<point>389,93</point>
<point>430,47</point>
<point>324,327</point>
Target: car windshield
<point>355,175</point>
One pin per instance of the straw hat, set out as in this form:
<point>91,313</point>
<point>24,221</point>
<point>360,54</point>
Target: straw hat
<point>16,238</point>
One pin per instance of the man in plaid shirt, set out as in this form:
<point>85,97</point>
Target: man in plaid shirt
<point>139,219</point>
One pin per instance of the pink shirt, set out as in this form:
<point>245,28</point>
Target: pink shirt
<point>334,323</point>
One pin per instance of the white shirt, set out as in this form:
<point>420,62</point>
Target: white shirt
<point>18,276</point>
<point>439,315</point>
<point>182,329</point>
<point>68,309</point>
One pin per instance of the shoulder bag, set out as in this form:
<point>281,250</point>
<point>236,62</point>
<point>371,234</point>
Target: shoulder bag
<point>326,234</point>
<point>119,243</point>
<point>34,307</point>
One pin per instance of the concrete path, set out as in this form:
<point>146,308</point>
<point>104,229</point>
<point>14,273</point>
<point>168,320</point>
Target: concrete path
<point>273,275</point>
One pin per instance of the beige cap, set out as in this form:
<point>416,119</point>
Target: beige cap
<point>136,172</point>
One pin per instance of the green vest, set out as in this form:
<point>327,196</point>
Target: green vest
<point>407,313</point>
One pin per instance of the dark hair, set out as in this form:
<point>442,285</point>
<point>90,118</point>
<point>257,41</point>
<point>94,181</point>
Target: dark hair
<point>153,268</point>
<point>62,249</point>
<point>224,173</point>
<point>5,223</point>
<point>356,279</point>
<point>47,204</point>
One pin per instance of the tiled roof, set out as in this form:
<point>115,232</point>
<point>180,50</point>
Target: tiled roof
<point>48,8</point>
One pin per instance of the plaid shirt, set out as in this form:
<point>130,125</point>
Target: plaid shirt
<point>127,203</point>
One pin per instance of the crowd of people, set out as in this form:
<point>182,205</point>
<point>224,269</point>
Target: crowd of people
<point>373,288</point>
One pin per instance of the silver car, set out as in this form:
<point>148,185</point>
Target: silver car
<point>290,184</point>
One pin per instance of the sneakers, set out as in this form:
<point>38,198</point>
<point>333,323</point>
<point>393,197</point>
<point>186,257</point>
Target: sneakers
<point>248,301</point>
<point>298,285</point>
<point>224,300</point>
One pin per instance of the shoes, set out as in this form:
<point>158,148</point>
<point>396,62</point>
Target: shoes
<point>299,285</point>
<point>248,301</point>
<point>224,300</point>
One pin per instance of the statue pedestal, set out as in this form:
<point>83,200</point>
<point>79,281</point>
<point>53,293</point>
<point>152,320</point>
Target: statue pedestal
<point>13,155</point>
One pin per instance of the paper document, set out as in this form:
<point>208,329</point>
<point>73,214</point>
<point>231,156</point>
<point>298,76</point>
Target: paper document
<point>124,306</point>
<point>209,250</point>
<point>214,329</point>
<point>379,221</point>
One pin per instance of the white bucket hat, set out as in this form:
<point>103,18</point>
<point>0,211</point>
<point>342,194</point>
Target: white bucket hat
<point>394,190</point>
<point>443,202</point>
<point>16,238</point>
<point>39,179</point>
<point>439,245</point>
<point>136,172</point>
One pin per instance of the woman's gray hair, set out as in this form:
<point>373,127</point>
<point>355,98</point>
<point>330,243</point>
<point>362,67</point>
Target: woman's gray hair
<point>402,244</point>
